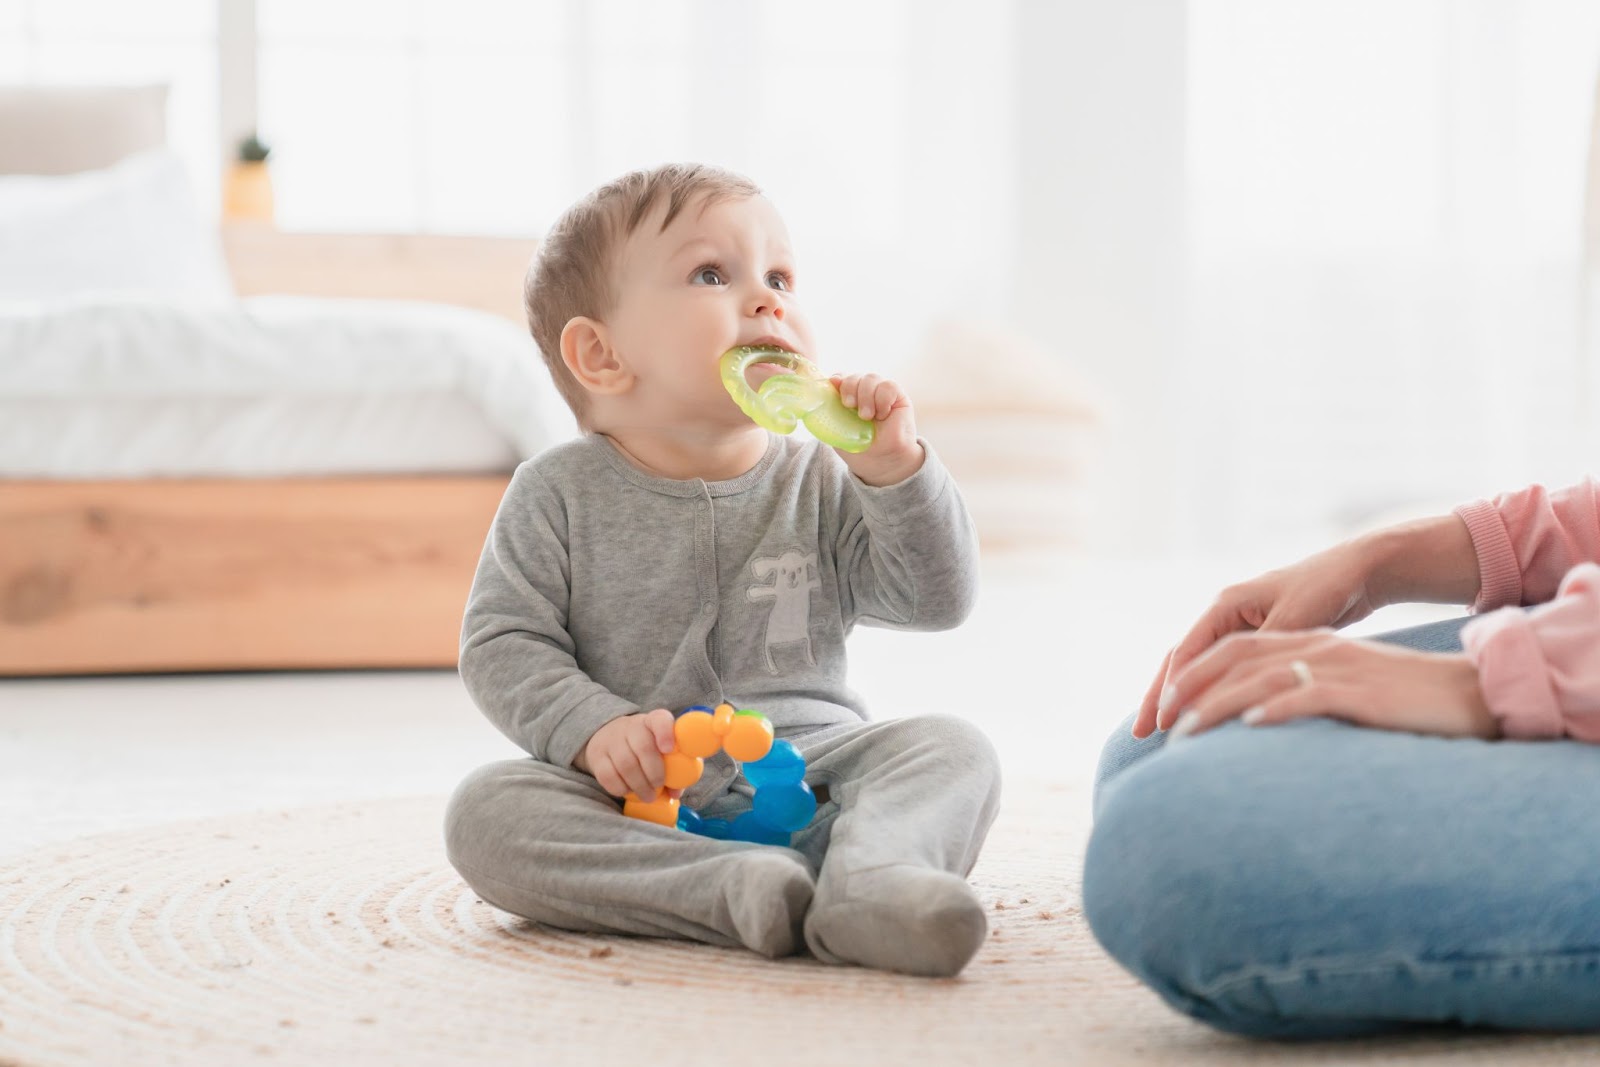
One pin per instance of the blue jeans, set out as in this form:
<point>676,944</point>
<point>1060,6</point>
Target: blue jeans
<point>1317,879</point>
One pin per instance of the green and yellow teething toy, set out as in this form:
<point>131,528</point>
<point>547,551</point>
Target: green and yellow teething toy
<point>804,394</point>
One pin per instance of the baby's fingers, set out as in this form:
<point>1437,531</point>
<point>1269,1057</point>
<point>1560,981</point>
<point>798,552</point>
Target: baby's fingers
<point>885,396</point>
<point>619,774</point>
<point>663,728</point>
<point>650,773</point>
<point>866,395</point>
<point>847,384</point>
<point>605,772</point>
<point>856,390</point>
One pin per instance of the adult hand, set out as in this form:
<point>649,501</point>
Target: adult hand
<point>1276,677</point>
<point>1327,589</point>
<point>624,755</point>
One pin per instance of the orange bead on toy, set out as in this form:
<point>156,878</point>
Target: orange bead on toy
<point>683,770</point>
<point>696,734</point>
<point>663,809</point>
<point>749,738</point>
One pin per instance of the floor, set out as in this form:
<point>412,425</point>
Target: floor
<point>1057,653</point>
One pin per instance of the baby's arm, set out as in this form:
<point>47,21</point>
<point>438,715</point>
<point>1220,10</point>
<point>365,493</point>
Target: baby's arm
<point>517,659</point>
<point>906,552</point>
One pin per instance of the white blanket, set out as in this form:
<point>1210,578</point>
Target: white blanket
<point>266,386</point>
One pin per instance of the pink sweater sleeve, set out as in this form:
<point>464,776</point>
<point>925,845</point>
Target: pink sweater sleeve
<point>1527,541</point>
<point>1539,669</point>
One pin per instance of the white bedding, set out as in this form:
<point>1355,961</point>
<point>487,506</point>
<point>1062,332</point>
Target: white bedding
<point>267,386</point>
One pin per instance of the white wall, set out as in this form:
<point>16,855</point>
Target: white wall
<point>1098,218</point>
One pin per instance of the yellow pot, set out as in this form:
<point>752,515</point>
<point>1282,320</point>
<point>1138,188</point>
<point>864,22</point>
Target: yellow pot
<point>247,193</point>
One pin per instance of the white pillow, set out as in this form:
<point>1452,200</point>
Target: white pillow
<point>133,228</point>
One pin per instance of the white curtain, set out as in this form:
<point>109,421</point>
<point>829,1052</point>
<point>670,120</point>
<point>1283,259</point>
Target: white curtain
<point>1385,210</point>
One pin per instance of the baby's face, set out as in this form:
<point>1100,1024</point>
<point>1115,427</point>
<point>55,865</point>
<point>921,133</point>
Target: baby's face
<point>714,279</point>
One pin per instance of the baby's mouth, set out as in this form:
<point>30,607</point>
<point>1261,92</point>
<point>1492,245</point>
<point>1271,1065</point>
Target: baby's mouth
<point>768,360</point>
<point>757,373</point>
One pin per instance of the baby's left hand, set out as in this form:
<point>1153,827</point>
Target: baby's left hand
<point>895,453</point>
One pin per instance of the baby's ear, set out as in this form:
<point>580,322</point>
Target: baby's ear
<point>586,350</point>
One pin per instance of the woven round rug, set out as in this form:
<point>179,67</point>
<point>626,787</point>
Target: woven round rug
<point>341,935</point>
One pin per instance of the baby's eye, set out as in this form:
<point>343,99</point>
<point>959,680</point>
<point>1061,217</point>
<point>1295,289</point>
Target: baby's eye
<point>780,281</point>
<point>708,276</point>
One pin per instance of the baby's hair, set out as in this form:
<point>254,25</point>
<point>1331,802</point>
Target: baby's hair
<point>574,271</point>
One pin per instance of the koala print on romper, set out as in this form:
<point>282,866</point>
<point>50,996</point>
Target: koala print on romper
<point>787,581</point>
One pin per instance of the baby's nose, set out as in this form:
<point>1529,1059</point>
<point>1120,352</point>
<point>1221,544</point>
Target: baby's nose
<point>767,303</point>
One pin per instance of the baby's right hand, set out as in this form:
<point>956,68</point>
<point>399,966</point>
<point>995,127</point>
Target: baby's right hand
<point>624,755</point>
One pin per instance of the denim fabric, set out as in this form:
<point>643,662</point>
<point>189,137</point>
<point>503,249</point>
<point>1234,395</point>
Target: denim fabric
<point>1316,879</point>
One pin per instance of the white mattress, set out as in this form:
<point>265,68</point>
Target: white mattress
<point>268,386</point>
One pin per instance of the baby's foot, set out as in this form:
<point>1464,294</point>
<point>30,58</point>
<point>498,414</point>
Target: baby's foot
<point>767,902</point>
<point>915,920</point>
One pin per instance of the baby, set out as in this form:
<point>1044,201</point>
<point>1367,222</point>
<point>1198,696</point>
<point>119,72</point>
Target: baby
<point>677,554</point>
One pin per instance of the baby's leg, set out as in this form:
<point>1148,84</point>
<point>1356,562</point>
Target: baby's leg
<point>547,843</point>
<point>916,797</point>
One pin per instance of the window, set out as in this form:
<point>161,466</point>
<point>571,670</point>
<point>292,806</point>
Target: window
<point>109,42</point>
<point>417,114</point>
<point>492,116</point>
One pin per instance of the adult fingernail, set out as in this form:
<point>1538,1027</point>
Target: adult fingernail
<point>1184,726</point>
<point>1168,694</point>
<point>1254,715</point>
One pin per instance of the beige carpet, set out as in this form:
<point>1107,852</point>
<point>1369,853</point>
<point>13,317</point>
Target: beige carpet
<point>339,935</point>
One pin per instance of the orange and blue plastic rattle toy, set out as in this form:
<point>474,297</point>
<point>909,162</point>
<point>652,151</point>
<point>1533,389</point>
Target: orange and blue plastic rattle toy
<point>782,804</point>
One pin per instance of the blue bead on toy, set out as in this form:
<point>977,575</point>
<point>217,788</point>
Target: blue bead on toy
<point>718,829</point>
<point>749,827</point>
<point>782,765</point>
<point>784,807</point>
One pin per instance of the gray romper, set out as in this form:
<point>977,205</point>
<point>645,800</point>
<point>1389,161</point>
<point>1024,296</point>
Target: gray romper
<point>604,591</point>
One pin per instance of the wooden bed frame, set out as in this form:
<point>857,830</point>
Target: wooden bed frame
<point>254,574</point>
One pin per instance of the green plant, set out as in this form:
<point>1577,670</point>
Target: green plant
<point>253,150</point>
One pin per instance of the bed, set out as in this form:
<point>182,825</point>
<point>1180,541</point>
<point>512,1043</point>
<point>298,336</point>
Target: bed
<point>195,476</point>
